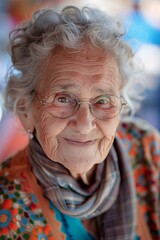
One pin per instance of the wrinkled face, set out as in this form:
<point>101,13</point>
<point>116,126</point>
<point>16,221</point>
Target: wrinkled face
<point>79,141</point>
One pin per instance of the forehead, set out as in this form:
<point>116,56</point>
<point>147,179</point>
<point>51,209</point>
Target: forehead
<point>90,67</point>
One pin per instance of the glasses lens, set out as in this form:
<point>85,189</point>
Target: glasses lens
<point>106,106</point>
<point>62,105</point>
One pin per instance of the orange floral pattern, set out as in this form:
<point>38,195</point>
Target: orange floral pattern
<point>143,145</point>
<point>43,233</point>
<point>20,215</point>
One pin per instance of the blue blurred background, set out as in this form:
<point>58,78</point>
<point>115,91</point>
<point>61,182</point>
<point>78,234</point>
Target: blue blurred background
<point>142,19</point>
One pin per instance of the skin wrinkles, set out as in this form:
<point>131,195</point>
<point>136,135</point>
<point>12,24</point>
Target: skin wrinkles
<point>74,88</point>
<point>80,141</point>
<point>44,120</point>
<point>50,142</point>
<point>91,67</point>
<point>86,73</point>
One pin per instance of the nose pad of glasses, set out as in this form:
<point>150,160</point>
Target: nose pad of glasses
<point>86,104</point>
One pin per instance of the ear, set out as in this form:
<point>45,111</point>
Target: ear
<point>27,121</point>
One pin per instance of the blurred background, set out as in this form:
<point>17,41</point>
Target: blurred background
<point>142,20</point>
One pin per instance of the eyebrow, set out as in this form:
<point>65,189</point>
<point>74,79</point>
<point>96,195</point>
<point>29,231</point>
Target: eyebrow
<point>105,91</point>
<point>63,87</point>
<point>70,86</point>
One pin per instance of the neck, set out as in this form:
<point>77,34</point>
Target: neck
<point>85,178</point>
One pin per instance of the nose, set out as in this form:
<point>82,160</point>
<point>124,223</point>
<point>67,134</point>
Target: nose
<point>83,121</point>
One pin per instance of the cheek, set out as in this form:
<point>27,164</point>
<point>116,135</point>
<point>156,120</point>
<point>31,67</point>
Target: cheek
<point>108,129</point>
<point>48,128</point>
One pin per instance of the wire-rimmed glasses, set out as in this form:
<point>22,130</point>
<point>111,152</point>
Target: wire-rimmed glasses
<point>64,105</point>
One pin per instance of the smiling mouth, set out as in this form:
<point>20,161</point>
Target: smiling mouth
<point>80,143</point>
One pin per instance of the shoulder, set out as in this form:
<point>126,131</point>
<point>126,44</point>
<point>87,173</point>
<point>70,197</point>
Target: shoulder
<point>13,182</point>
<point>18,159</point>
<point>142,142</point>
<point>21,215</point>
<point>141,138</point>
<point>13,174</point>
<point>137,128</point>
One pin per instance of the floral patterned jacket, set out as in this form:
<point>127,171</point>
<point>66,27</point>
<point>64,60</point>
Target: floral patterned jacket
<point>26,214</point>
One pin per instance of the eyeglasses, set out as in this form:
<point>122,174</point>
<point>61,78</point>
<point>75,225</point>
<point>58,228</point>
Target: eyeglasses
<point>63,105</point>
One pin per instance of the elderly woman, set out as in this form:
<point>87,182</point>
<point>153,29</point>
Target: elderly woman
<point>88,172</point>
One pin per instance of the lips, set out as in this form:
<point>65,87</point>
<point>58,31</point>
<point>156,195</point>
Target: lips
<point>79,142</point>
